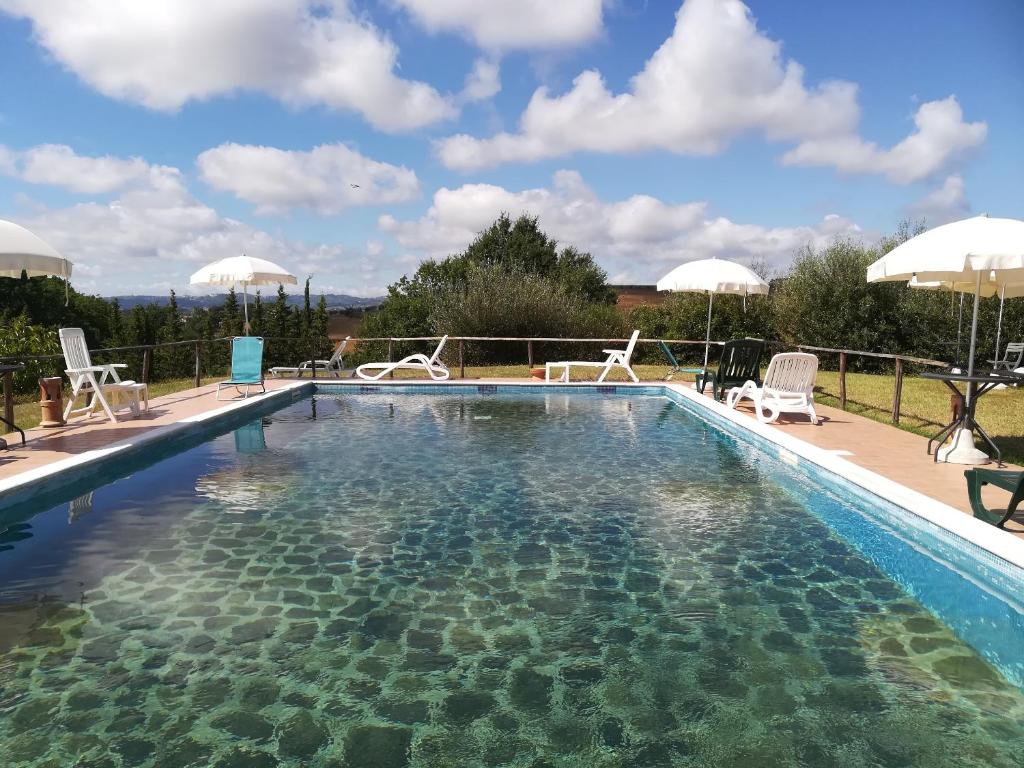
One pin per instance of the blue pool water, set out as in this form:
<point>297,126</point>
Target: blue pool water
<point>462,579</point>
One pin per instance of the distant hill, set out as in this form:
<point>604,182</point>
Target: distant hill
<point>335,301</point>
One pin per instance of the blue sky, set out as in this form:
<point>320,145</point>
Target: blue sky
<point>146,139</point>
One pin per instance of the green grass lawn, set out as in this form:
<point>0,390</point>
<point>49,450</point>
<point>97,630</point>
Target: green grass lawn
<point>925,404</point>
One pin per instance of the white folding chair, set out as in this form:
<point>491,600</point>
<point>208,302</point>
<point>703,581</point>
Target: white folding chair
<point>433,366</point>
<point>96,382</point>
<point>788,388</point>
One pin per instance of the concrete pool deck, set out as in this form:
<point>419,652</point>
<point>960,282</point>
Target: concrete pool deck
<point>892,453</point>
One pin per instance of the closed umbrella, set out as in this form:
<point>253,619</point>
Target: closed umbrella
<point>713,276</point>
<point>245,271</point>
<point>21,251</point>
<point>981,252</point>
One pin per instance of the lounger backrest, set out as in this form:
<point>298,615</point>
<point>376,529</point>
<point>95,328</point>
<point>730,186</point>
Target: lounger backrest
<point>339,352</point>
<point>741,360</point>
<point>437,352</point>
<point>632,343</point>
<point>247,359</point>
<point>76,351</point>
<point>792,372</point>
<point>1015,349</point>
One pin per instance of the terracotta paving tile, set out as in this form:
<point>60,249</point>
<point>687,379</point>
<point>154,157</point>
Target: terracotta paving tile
<point>891,452</point>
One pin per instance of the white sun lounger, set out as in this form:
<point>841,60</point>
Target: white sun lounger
<point>432,365</point>
<point>788,388</point>
<point>617,358</point>
<point>333,367</point>
<point>98,384</point>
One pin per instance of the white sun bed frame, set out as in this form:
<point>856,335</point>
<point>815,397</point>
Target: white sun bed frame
<point>432,365</point>
<point>617,358</point>
<point>333,367</point>
<point>788,388</point>
<point>97,383</point>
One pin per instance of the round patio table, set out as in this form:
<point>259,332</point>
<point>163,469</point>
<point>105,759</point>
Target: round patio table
<point>981,383</point>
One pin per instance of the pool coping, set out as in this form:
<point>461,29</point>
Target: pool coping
<point>1005,546</point>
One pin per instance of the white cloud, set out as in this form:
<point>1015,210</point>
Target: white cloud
<point>326,179</point>
<point>636,239</point>
<point>715,77</point>
<point>155,233</point>
<point>943,204</point>
<point>165,53</point>
<point>506,24</point>
<point>941,135</point>
<point>58,165</point>
<point>483,81</point>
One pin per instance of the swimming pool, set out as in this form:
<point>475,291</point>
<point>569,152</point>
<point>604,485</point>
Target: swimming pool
<point>439,577</point>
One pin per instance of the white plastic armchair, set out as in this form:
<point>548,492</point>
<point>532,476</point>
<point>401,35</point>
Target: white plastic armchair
<point>432,365</point>
<point>788,388</point>
<point>94,382</point>
<point>1013,359</point>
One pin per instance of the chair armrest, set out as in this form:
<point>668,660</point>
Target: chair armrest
<point>114,365</point>
<point>613,351</point>
<point>91,368</point>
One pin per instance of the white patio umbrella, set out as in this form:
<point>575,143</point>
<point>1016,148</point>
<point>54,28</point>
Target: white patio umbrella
<point>22,251</point>
<point>245,271</point>
<point>982,252</point>
<point>713,276</point>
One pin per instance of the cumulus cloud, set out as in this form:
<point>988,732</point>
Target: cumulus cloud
<point>58,165</point>
<point>154,233</point>
<point>940,135</point>
<point>943,204</point>
<point>483,81</point>
<point>636,239</point>
<point>715,77</point>
<point>506,24</point>
<point>326,179</point>
<point>165,53</point>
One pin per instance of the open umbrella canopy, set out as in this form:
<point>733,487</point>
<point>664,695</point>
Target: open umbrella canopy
<point>244,270</point>
<point>713,276</point>
<point>959,252</point>
<point>22,251</point>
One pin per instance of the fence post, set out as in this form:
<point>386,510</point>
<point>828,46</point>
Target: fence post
<point>529,353</point>
<point>462,358</point>
<point>199,364</point>
<point>842,380</point>
<point>9,397</point>
<point>897,392</point>
<point>312,356</point>
<point>147,364</point>
<point>390,359</point>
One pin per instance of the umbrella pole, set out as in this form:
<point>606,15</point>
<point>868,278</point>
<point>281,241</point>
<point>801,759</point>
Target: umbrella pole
<point>974,335</point>
<point>999,324</point>
<point>245,307</point>
<point>959,329</point>
<point>707,339</point>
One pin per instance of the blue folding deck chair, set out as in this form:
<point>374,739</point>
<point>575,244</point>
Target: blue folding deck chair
<point>246,365</point>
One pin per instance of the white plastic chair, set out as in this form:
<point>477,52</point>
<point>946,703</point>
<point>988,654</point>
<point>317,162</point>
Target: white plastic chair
<point>332,367</point>
<point>1013,359</point>
<point>96,382</point>
<point>788,388</point>
<point>617,358</point>
<point>433,366</point>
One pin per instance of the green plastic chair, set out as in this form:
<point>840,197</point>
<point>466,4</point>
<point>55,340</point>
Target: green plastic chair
<point>1013,482</point>
<point>246,365</point>
<point>740,363</point>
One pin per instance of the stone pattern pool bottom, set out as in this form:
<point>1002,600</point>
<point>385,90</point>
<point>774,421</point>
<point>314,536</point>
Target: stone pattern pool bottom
<point>434,580</point>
